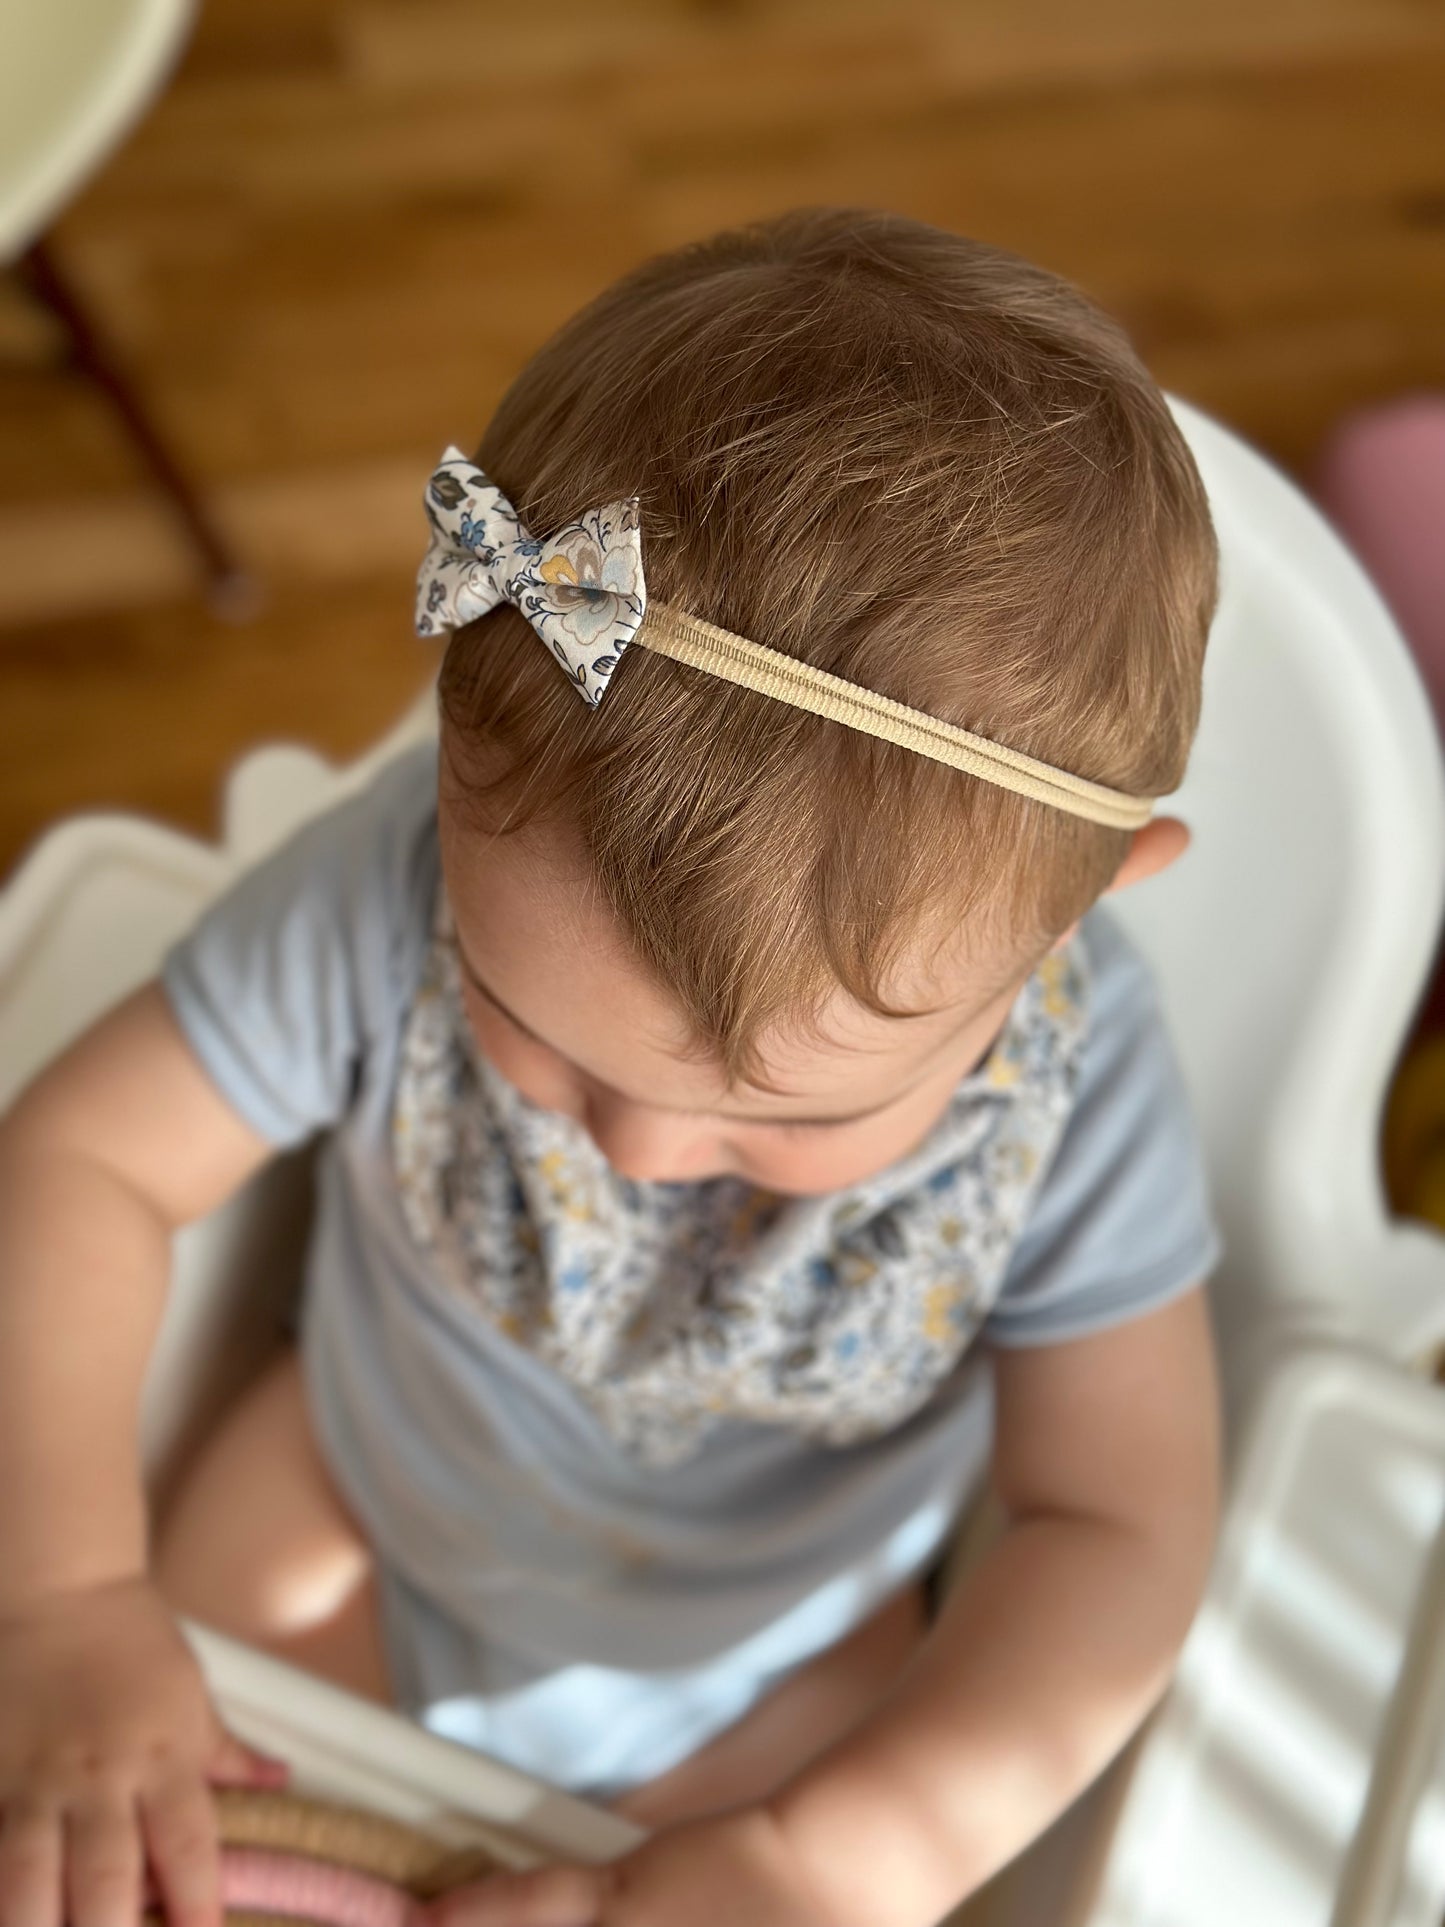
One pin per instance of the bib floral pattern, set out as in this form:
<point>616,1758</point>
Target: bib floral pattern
<point>671,1308</point>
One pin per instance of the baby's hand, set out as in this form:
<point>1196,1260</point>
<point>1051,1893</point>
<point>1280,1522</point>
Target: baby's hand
<point>712,1873</point>
<point>107,1741</point>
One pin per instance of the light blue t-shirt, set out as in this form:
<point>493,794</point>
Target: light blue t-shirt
<point>495,1500</point>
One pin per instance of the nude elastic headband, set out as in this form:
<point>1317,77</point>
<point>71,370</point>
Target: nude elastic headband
<point>582,590</point>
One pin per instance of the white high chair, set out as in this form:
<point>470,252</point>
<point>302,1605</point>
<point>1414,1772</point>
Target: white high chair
<point>1291,946</point>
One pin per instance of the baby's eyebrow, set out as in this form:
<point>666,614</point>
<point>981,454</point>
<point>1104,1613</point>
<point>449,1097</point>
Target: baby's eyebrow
<point>736,1117</point>
<point>491,996</point>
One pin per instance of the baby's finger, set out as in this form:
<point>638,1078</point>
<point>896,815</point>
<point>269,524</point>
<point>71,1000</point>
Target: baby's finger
<point>551,1897</point>
<point>102,1862</point>
<point>30,1837</point>
<point>178,1818</point>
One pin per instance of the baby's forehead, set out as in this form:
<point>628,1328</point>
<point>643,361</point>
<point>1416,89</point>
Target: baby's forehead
<point>924,1007</point>
<point>537,933</point>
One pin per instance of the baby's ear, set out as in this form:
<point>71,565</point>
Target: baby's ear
<point>1158,843</point>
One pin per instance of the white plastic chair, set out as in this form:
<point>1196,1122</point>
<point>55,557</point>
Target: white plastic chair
<point>1293,941</point>
<point>1291,946</point>
<point>75,76</point>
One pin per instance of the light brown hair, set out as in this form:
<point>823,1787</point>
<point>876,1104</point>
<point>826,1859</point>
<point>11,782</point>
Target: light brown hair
<point>904,456</point>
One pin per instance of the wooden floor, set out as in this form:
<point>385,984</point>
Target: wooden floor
<point>348,222</point>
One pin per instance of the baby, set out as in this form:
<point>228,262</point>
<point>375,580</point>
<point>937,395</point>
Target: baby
<point>745,1135</point>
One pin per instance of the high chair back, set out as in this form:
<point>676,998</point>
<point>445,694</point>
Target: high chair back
<point>1292,941</point>
<point>1291,944</point>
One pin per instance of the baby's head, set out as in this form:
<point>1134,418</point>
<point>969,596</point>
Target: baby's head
<point>732,937</point>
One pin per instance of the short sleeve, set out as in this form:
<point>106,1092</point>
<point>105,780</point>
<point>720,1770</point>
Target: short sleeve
<point>1124,1220</point>
<point>289,978</point>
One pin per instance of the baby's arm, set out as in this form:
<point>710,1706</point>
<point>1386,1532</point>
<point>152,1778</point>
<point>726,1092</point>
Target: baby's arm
<point>120,1142</point>
<point>1048,1657</point>
<point>112,1148</point>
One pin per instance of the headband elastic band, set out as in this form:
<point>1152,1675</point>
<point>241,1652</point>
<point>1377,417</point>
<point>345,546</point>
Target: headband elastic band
<point>668,632</point>
<point>582,591</point>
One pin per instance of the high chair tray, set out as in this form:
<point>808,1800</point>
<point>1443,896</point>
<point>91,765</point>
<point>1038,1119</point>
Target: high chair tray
<point>1296,1774</point>
<point>347,1749</point>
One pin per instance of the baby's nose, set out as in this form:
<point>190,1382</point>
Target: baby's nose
<point>652,1146</point>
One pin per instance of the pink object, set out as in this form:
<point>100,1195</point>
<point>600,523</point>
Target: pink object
<point>263,1882</point>
<point>1381,480</point>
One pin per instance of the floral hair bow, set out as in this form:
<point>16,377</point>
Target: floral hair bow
<point>581,589</point>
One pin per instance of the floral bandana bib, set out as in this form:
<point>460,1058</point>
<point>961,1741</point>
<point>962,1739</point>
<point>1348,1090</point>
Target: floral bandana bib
<point>671,1308</point>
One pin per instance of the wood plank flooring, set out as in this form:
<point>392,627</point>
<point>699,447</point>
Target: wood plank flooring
<point>347,223</point>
